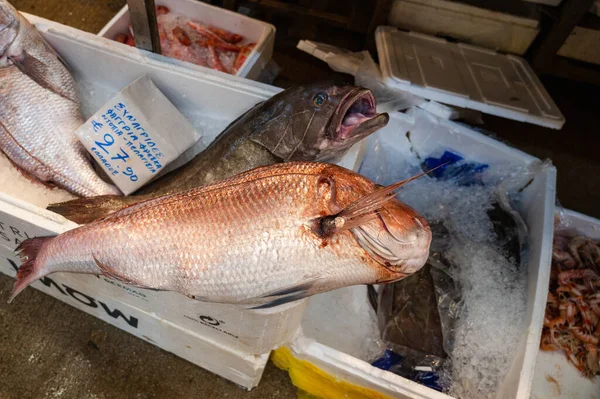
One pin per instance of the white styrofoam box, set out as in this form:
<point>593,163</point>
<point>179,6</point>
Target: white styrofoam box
<point>346,61</point>
<point>197,93</point>
<point>554,376</point>
<point>19,220</point>
<point>538,212</point>
<point>582,44</point>
<point>465,76</point>
<point>259,32</point>
<point>476,25</point>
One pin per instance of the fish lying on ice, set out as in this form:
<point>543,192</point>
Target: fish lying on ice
<point>268,236</point>
<point>316,122</point>
<point>39,111</point>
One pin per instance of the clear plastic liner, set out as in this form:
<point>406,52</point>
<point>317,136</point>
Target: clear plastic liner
<point>455,325</point>
<point>417,315</point>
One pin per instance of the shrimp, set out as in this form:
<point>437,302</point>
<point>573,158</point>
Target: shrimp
<point>568,275</point>
<point>592,362</point>
<point>569,312</point>
<point>570,289</point>
<point>574,245</point>
<point>547,344</point>
<point>572,317</point>
<point>563,257</point>
<point>582,336</point>
<point>586,314</point>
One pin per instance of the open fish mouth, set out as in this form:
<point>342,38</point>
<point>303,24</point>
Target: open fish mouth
<point>356,116</point>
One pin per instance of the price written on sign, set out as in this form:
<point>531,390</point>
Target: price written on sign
<point>133,139</point>
<point>136,134</point>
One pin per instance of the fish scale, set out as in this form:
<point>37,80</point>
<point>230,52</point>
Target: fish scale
<point>239,241</point>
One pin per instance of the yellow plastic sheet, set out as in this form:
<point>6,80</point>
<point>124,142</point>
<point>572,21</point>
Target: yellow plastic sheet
<point>315,383</point>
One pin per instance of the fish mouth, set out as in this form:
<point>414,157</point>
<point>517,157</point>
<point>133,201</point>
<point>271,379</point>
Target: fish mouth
<point>404,254</point>
<point>356,116</point>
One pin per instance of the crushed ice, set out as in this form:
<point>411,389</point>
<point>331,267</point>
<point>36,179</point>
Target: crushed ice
<point>492,322</point>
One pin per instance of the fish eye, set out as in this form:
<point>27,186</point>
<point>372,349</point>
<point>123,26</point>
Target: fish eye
<point>319,99</point>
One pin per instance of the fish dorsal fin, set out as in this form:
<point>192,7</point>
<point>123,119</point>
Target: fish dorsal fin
<point>260,173</point>
<point>40,73</point>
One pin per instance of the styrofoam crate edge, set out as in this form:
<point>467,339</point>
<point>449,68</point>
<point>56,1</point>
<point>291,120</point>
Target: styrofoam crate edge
<point>534,332</point>
<point>243,368</point>
<point>256,60</point>
<point>341,365</point>
<point>184,69</point>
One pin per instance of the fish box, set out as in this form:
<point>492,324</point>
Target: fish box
<point>173,322</point>
<point>554,376</point>
<point>317,367</point>
<point>255,31</point>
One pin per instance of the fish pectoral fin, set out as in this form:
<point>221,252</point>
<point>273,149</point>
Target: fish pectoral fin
<point>29,176</point>
<point>109,271</point>
<point>287,294</point>
<point>365,208</point>
<point>40,74</point>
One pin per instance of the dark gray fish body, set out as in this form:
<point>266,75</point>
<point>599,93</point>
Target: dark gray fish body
<point>317,122</point>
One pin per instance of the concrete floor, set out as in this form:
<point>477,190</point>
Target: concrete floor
<point>51,350</point>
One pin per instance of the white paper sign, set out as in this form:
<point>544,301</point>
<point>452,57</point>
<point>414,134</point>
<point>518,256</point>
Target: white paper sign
<point>136,134</point>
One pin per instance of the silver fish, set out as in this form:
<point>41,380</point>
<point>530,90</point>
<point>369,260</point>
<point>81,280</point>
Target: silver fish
<point>39,111</point>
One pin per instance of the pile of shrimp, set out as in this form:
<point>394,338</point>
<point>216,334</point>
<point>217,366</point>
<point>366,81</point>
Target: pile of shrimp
<point>572,320</point>
<point>190,41</point>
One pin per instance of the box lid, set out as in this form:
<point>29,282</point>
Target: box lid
<point>465,76</point>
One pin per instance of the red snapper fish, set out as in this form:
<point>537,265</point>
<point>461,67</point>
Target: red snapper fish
<point>268,236</point>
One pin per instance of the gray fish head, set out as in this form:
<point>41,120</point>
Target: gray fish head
<point>9,28</point>
<point>398,239</point>
<point>320,121</point>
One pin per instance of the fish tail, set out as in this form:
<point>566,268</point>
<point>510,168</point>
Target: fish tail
<point>30,270</point>
<point>86,210</point>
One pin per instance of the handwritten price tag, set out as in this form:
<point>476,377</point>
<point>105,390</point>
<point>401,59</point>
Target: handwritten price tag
<point>136,134</point>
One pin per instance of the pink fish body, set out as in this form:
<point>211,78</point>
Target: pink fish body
<point>264,237</point>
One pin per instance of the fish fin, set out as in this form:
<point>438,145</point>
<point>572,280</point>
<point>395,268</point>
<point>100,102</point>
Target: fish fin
<point>281,301</point>
<point>285,144</point>
<point>86,210</point>
<point>287,294</point>
<point>293,289</point>
<point>39,73</point>
<point>23,172</point>
<point>109,271</point>
<point>364,209</point>
<point>197,298</point>
<point>29,176</point>
<point>29,271</point>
